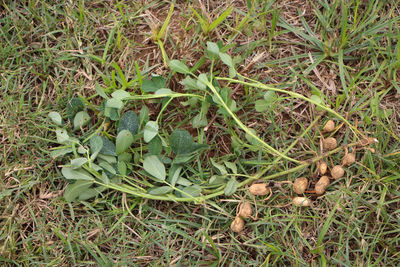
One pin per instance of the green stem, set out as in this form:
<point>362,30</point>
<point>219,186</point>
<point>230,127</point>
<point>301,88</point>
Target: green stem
<point>245,128</point>
<point>257,84</point>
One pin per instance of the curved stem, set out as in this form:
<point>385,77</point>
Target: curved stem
<point>245,128</point>
<point>257,84</point>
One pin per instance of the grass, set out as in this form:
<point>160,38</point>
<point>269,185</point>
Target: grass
<point>345,53</point>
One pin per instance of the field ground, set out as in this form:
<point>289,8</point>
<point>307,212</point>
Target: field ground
<point>345,54</point>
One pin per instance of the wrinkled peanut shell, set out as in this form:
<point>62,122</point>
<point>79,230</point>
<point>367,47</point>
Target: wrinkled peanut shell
<point>321,185</point>
<point>329,126</point>
<point>322,167</point>
<point>259,189</point>
<point>301,202</point>
<point>329,143</point>
<point>300,185</point>
<point>245,210</point>
<point>237,225</point>
<point>348,159</point>
<point>337,172</point>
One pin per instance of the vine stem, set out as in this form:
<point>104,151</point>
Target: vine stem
<point>245,128</point>
<point>257,84</point>
<point>170,197</point>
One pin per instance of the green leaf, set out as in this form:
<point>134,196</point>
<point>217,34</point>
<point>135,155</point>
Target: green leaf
<point>221,168</point>
<point>183,181</point>
<point>62,135</point>
<point>155,146</point>
<point>174,174</point>
<point>181,142</point>
<point>74,106</point>
<point>199,121</point>
<point>114,103</point>
<point>159,190</point>
<point>226,59</point>
<point>231,187</point>
<point>107,167</point>
<point>183,158</point>
<point>154,167</point>
<point>109,159</point>
<point>81,120</point>
<point>150,131</point>
<point>71,174</point>
<point>213,49</point>
<point>163,91</point>
<point>56,118</point>
<point>231,166</point>
<point>217,179</point>
<point>112,113</point>
<point>126,157</point>
<point>143,115</point>
<point>270,96</point>
<point>60,152</point>
<point>196,147</point>
<point>96,144</point>
<point>202,81</point>
<point>72,191</point>
<point>78,162</point>
<point>153,84</point>
<point>105,178</point>
<point>81,149</point>
<point>121,166</point>
<point>101,91</point>
<point>189,83</point>
<point>232,72</point>
<point>193,190</point>
<point>124,141</point>
<point>108,147</point>
<point>179,66</point>
<point>261,105</point>
<point>251,139</point>
<point>120,94</point>
<point>129,121</point>
<point>91,192</point>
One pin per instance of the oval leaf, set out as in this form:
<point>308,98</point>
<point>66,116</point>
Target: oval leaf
<point>150,131</point>
<point>91,192</point>
<point>76,189</point>
<point>78,162</point>
<point>261,105</point>
<point>124,141</point>
<point>107,167</point>
<point>71,174</point>
<point>96,144</point>
<point>174,174</point>
<point>178,66</point>
<point>62,135</point>
<point>121,166</point>
<point>108,147</point>
<point>161,190</point>
<point>226,59</point>
<point>155,146</point>
<point>270,96</point>
<point>154,167</point>
<point>81,119</point>
<point>231,187</point>
<point>120,94</point>
<point>213,49</point>
<point>181,142</point>
<point>56,118</point>
<point>192,191</point>
<point>73,106</point>
<point>130,122</point>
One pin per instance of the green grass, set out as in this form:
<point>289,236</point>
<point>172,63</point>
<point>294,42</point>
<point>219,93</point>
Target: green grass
<point>51,52</point>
